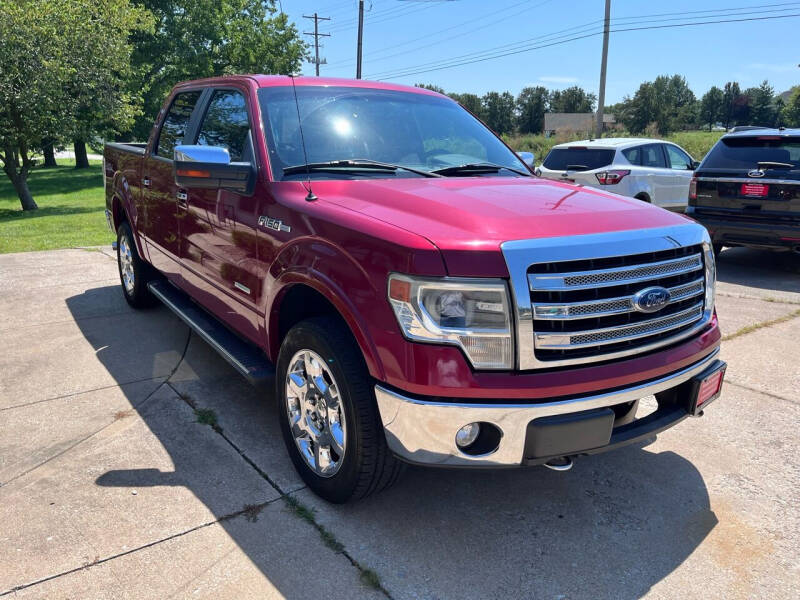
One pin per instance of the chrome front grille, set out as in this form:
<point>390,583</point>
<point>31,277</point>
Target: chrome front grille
<point>575,296</point>
<point>608,277</point>
<point>579,311</point>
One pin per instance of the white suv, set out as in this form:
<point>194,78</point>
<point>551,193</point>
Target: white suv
<point>651,170</point>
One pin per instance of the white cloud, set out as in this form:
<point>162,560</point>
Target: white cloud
<point>558,79</point>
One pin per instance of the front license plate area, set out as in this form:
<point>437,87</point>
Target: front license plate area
<point>707,387</point>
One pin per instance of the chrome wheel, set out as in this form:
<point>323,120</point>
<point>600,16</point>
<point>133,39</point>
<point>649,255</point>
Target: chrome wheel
<point>126,264</point>
<point>315,412</point>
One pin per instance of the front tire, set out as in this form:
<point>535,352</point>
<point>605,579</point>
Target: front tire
<point>328,414</point>
<point>134,273</point>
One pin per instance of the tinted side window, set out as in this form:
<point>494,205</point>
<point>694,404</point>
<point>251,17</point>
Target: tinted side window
<point>634,155</point>
<point>226,123</point>
<point>176,123</point>
<point>653,156</point>
<point>578,158</point>
<point>678,159</point>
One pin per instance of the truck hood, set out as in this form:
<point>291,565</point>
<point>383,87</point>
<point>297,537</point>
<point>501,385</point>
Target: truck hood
<point>463,216</point>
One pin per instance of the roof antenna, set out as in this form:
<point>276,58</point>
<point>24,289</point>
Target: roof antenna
<point>310,196</point>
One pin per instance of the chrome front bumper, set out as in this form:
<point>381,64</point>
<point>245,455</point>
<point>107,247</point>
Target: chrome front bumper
<point>423,432</point>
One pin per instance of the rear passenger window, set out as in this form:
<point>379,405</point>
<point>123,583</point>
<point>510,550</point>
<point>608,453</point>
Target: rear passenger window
<point>634,155</point>
<point>653,156</point>
<point>176,122</point>
<point>226,123</point>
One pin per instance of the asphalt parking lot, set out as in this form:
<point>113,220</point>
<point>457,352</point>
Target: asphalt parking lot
<point>134,463</point>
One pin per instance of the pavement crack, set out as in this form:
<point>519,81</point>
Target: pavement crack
<point>756,326</point>
<point>100,561</point>
<point>104,427</point>
<point>97,389</point>
<point>758,391</point>
<point>367,576</point>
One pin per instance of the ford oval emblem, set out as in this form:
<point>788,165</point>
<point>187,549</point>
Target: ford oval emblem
<point>755,173</point>
<point>651,299</point>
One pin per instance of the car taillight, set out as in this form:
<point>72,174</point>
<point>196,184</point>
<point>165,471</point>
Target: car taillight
<point>611,177</point>
<point>693,189</point>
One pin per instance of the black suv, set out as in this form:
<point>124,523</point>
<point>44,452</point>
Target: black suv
<point>747,190</point>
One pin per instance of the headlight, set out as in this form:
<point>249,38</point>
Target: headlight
<point>470,313</point>
<point>711,276</point>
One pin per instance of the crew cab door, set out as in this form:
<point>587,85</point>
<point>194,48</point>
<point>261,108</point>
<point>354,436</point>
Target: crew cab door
<point>220,260</point>
<point>162,202</point>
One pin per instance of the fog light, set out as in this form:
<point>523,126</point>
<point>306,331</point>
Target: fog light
<point>467,434</point>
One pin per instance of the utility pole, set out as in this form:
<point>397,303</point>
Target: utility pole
<point>360,36</point>
<point>601,97</point>
<point>317,35</point>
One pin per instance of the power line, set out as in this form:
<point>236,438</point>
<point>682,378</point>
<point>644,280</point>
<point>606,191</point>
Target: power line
<point>316,35</point>
<point>441,40</point>
<point>387,15</point>
<point>447,64</point>
<point>583,29</point>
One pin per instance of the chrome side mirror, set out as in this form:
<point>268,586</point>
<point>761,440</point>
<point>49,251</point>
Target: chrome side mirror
<point>204,154</point>
<point>210,167</point>
<point>527,158</point>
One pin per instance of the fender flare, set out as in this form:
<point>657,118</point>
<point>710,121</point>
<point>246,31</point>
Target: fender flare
<point>122,202</point>
<point>306,274</point>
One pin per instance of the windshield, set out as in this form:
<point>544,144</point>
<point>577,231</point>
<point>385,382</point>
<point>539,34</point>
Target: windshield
<point>747,152</point>
<point>410,130</point>
<point>578,158</point>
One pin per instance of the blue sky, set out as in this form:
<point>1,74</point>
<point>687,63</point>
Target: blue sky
<point>406,35</point>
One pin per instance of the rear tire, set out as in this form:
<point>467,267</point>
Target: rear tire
<point>643,198</point>
<point>134,273</point>
<point>332,430</point>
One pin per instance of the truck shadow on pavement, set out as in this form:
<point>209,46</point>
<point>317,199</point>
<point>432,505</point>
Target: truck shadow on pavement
<point>765,269</point>
<point>613,527</point>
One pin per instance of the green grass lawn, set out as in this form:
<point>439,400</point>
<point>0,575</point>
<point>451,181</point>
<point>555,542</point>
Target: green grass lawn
<point>70,214</point>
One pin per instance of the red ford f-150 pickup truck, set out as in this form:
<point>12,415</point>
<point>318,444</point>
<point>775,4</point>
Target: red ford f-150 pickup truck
<point>390,268</point>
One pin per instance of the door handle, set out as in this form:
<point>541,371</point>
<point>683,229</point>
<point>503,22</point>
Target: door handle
<point>182,197</point>
<point>146,182</point>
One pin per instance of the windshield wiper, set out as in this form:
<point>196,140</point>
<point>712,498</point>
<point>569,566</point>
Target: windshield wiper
<point>354,165</point>
<point>485,167</point>
<point>774,165</point>
<point>576,168</point>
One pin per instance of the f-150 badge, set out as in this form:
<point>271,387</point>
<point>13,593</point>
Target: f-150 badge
<point>275,224</point>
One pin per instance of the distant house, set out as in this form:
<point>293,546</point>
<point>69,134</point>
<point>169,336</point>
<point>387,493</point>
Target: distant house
<point>570,123</point>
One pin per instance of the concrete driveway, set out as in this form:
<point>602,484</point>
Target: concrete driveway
<point>135,464</point>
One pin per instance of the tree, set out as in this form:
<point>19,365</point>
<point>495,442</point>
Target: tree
<point>762,111</point>
<point>532,103</point>
<point>791,112</point>
<point>205,38</point>
<point>712,106</point>
<point>666,103</point>
<point>430,86</point>
<point>730,97</point>
<point>53,53</point>
<point>471,102</point>
<point>572,100</point>
<point>498,111</point>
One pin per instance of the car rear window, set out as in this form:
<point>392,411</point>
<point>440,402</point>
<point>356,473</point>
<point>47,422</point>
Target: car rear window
<point>747,152</point>
<point>578,158</point>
